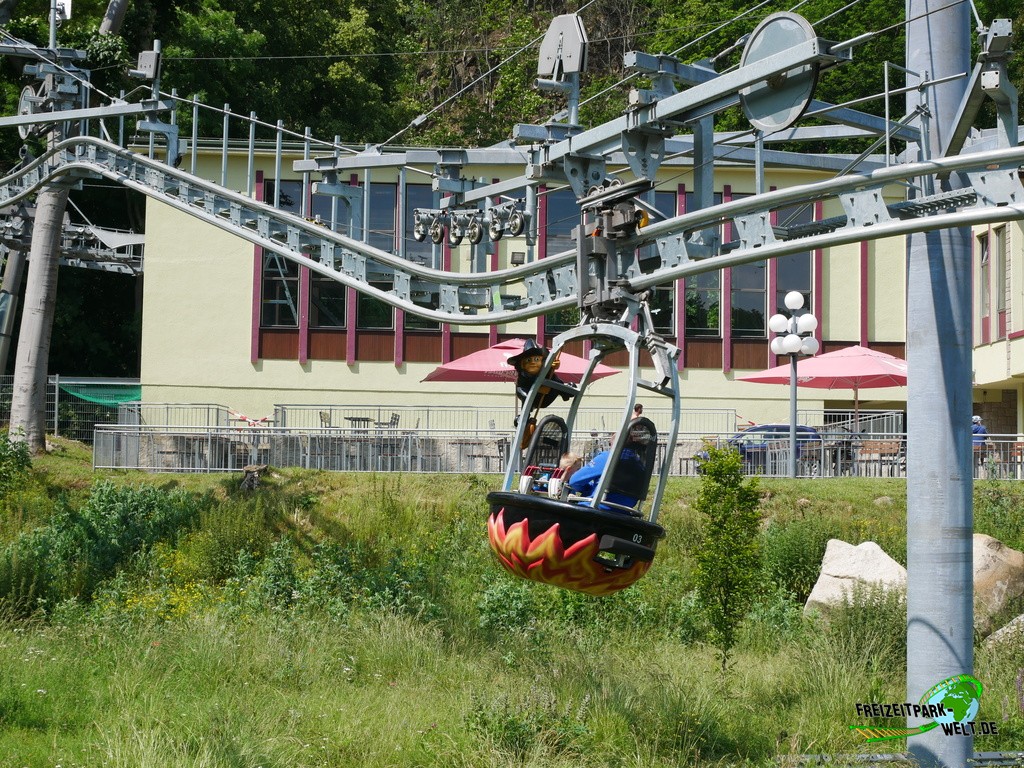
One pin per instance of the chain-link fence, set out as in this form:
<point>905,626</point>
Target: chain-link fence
<point>75,405</point>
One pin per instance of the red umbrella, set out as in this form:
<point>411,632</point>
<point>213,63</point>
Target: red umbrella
<point>491,364</point>
<point>853,368</point>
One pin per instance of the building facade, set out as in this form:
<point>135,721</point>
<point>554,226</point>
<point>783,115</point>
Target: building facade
<point>226,323</point>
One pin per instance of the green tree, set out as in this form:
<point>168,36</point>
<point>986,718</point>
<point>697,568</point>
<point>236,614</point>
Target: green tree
<point>727,553</point>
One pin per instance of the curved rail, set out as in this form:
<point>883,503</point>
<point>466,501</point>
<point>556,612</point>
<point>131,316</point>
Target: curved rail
<point>995,194</point>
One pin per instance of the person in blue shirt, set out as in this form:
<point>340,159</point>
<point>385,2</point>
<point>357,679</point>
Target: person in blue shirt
<point>585,480</point>
<point>979,435</point>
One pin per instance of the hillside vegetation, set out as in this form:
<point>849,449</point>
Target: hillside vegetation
<point>331,619</point>
<point>365,70</point>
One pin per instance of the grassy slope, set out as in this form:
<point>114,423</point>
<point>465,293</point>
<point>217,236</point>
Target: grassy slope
<point>405,646</point>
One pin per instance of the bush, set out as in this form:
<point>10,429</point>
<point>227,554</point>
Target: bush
<point>15,463</point>
<point>792,554</point>
<point>871,623</point>
<point>70,556</point>
<point>775,618</point>
<point>210,552</point>
<point>536,723</point>
<point>997,513</point>
<point>508,605</point>
<point>727,554</point>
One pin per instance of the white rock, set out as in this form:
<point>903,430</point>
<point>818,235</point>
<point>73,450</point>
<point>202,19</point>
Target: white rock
<point>1011,633</point>
<point>845,567</point>
<point>998,578</point>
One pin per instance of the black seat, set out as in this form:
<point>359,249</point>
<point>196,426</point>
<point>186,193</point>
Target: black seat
<point>642,440</point>
<point>550,440</point>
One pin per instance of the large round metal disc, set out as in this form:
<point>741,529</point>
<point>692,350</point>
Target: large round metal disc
<point>27,104</point>
<point>778,101</point>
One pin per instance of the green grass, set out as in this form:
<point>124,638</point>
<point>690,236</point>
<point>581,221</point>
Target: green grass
<point>332,619</point>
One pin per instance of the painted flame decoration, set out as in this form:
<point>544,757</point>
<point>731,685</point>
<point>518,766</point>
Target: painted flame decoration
<point>547,560</point>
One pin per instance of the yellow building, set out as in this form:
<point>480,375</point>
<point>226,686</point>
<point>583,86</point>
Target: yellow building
<point>225,323</point>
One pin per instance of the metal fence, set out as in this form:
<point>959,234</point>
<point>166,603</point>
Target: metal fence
<point>460,418</point>
<point>379,447</point>
<point>69,414</point>
<point>346,449</point>
<point>174,414</point>
<point>864,422</point>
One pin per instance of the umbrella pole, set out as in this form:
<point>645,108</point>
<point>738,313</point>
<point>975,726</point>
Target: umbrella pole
<point>856,410</point>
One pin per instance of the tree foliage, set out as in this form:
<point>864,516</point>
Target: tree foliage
<point>727,552</point>
<point>364,70</point>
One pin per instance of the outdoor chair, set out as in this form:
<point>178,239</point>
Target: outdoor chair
<point>390,423</point>
<point>879,458</point>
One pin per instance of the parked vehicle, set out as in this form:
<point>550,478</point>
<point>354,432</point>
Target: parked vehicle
<point>764,444</point>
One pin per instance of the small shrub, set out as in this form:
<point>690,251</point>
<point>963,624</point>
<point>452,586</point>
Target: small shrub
<point>538,722</point>
<point>997,513</point>
<point>688,619</point>
<point>70,556</point>
<point>775,618</point>
<point>727,555</point>
<point>792,553</point>
<point>276,580</point>
<point>211,551</point>
<point>22,581</point>
<point>15,463</point>
<point>872,623</point>
<point>508,605</point>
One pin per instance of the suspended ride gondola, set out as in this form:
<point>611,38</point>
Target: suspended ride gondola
<point>599,536</point>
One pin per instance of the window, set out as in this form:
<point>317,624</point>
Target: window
<point>703,292</point>
<point>333,211</point>
<point>563,215</point>
<point>291,195</point>
<point>662,304</point>
<point>999,259</point>
<point>665,204</point>
<point>984,276</point>
<point>703,299</point>
<point>326,302</point>
<point>417,323</point>
<point>372,314</point>
<point>383,207</point>
<point>417,196</point>
<point>748,300</point>
<point>793,272</point>
<point>280,293</point>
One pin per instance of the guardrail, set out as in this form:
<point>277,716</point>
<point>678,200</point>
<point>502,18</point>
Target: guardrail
<point>371,447</point>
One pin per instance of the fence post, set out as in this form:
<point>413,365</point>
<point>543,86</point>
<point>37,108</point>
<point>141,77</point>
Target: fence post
<point>56,404</point>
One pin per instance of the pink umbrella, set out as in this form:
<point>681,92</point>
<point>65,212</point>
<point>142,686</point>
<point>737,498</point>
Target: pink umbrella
<point>853,368</point>
<point>491,364</point>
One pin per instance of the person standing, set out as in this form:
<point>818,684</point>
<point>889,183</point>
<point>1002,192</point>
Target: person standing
<point>979,435</point>
<point>980,442</point>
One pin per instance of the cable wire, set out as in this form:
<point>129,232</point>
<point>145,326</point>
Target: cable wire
<point>420,119</point>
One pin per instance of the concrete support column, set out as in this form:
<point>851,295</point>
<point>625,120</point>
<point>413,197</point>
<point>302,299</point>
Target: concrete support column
<point>939,354</point>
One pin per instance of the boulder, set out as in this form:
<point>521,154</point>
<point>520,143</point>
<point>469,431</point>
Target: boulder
<point>846,567</point>
<point>998,579</point>
<point>1011,633</point>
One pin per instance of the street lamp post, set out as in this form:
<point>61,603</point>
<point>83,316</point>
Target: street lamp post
<point>793,338</point>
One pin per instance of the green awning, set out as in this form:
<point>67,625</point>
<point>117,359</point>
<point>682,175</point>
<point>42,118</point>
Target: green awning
<point>105,394</point>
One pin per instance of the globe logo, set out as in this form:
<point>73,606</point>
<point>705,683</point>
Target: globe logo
<point>952,705</point>
<point>959,696</point>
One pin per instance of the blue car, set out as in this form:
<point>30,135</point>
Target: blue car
<point>753,445</point>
